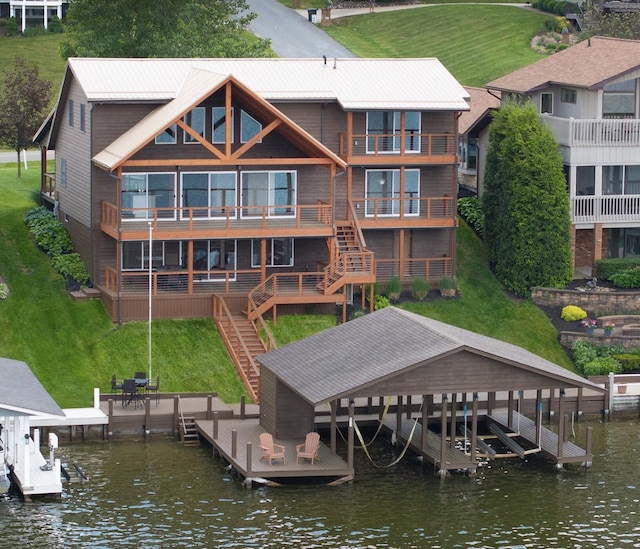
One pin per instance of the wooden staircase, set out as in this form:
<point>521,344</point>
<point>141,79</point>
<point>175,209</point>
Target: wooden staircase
<point>189,431</point>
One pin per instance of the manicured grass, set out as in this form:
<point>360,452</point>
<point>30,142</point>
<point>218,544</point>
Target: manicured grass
<point>476,43</point>
<point>39,50</point>
<point>73,346</point>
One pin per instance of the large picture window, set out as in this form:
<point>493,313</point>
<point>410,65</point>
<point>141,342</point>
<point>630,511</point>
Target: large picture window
<point>279,252</point>
<point>383,132</point>
<point>218,116</point>
<point>383,191</point>
<point>274,189</point>
<point>209,195</point>
<point>211,258</point>
<point>619,100</point>
<point>621,180</point>
<point>143,192</point>
<point>195,119</point>
<point>135,255</point>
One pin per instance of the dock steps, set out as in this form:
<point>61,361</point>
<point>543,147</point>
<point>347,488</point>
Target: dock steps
<point>189,432</point>
<point>482,445</point>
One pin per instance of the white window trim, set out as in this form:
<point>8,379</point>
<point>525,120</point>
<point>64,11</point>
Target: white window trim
<point>175,136</point>
<point>187,137</point>
<point>542,94</point>
<point>270,192</point>
<point>184,214</point>
<point>242,140</point>
<point>146,192</point>
<point>394,171</point>
<point>270,265</point>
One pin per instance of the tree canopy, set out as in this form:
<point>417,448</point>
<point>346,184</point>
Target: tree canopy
<point>23,106</point>
<point>171,28</point>
<point>526,204</point>
<point>615,25</point>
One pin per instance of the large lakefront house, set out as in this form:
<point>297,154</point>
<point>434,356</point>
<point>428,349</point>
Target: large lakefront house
<point>268,182</point>
<point>588,94</point>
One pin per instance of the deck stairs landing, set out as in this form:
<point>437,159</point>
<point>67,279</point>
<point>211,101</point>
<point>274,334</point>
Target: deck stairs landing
<point>189,431</point>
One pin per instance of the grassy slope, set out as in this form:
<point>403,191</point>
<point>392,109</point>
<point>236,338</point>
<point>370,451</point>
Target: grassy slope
<point>73,346</point>
<point>484,43</point>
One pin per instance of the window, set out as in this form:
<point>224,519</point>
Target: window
<point>63,173</point>
<point>585,180</point>
<point>619,100</point>
<point>273,189</point>
<point>135,255</point>
<point>279,252</point>
<point>219,125</point>
<point>168,136</point>
<point>70,107</point>
<point>383,193</point>
<point>82,117</point>
<point>621,180</point>
<point>195,120</point>
<point>211,258</point>
<point>249,127</point>
<point>209,194</point>
<point>472,160</point>
<point>623,242</point>
<point>142,192</point>
<point>383,132</point>
<point>546,103</point>
<point>568,96</point>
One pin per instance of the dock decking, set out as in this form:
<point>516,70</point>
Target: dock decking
<point>526,428</point>
<point>238,442</point>
<point>453,460</point>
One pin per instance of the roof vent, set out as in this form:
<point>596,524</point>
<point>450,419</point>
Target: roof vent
<point>324,57</point>
<point>335,62</point>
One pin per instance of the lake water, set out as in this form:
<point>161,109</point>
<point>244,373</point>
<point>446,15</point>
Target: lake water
<point>162,494</point>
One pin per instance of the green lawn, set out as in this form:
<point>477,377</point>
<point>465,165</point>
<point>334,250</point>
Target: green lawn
<point>73,346</point>
<point>476,43</point>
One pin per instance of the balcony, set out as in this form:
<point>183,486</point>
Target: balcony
<point>224,222</point>
<point>405,212</point>
<point>571,132</point>
<point>399,148</point>
<point>605,209</point>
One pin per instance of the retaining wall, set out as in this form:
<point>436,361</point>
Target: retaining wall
<point>597,302</point>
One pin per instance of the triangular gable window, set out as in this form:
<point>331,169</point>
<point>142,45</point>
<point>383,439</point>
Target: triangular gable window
<point>249,127</point>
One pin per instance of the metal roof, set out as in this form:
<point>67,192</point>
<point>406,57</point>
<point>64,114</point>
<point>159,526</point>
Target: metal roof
<point>21,393</point>
<point>333,363</point>
<point>357,84</point>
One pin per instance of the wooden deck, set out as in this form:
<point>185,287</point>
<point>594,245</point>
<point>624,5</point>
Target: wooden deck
<point>238,442</point>
<point>454,459</point>
<point>571,453</point>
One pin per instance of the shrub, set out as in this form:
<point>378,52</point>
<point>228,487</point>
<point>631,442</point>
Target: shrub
<point>380,302</point>
<point>36,30</point>
<point>583,353</point>
<point>54,240</point>
<point>602,366</point>
<point>419,288</point>
<point>447,286</point>
<point>37,217</point>
<point>470,208</point>
<point>394,288</point>
<point>71,265</point>
<point>628,361</point>
<point>630,278</point>
<point>571,313</point>
<point>4,291</point>
<point>12,27</point>
<point>55,25</point>
<point>605,268</point>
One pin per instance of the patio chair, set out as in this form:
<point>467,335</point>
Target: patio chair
<point>130,393</point>
<point>115,386</point>
<point>270,451</point>
<point>154,388</point>
<point>309,448</point>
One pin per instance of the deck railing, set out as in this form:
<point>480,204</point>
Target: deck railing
<point>608,132</point>
<point>407,143</point>
<point>605,209</point>
<point>428,268</point>
<point>429,208</point>
<point>49,184</point>
<point>226,218</point>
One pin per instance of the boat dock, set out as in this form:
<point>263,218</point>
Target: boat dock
<point>237,441</point>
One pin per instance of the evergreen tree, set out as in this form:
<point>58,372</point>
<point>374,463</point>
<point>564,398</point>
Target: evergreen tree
<point>526,204</point>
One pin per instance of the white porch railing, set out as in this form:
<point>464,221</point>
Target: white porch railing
<point>572,132</point>
<point>603,209</point>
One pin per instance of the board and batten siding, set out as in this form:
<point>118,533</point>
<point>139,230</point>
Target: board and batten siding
<point>324,121</point>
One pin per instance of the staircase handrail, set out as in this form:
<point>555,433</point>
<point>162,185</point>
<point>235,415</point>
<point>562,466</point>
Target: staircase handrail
<point>270,343</point>
<point>181,414</point>
<point>222,314</point>
<point>353,217</point>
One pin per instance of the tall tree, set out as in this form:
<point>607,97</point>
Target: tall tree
<point>23,106</point>
<point>615,25</point>
<point>526,204</point>
<point>171,28</point>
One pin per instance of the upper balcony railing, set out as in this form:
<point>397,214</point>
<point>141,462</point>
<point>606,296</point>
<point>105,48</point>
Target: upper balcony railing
<point>611,132</point>
<point>419,211</point>
<point>227,218</point>
<point>407,144</point>
<point>605,209</point>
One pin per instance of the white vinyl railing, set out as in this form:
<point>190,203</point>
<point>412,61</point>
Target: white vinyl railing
<point>572,132</point>
<point>602,209</point>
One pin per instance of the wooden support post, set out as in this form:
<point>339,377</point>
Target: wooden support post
<point>560,423</point>
<point>209,406</point>
<point>176,415</point>
<point>474,427</point>
<point>249,457</point>
<point>243,407</point>
<point>334,427</point>
<point>454,413</point>
<point>216,418</point>
<point>399,415</point>
<point>425,420</point>
<point>588,443</point>
<point>430,407</point>
<point>491,402</point>
<point>510,411</point>
<point>538,417</point>
<point>147,416</point>
<point>579,402</point>
<point>110,412</point>
<point>408,408</point>
<point>350,435</point>
<point>551,399</point>
<point>234,443</point>
<point>443,434</point>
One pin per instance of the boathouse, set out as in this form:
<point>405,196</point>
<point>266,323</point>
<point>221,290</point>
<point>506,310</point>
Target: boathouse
<point>22,397</point>
<point>434,372</point>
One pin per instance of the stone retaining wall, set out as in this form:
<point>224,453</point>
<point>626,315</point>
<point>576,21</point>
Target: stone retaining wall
<point>567,339</point>
<point>600,303</point>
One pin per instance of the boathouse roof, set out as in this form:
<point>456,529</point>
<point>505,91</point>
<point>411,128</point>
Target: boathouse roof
<point>21,393</point>
<point>393,351</point>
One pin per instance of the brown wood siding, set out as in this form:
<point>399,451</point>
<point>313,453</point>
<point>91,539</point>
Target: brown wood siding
<point>268,397</point>
<point>381,242</point>
<point>287,424</point>
<point>427,242</point>
<point>113,119</point>
<point>136,307</point>
<point>81,237</point>
<point>74,147</point>
<point>325,122</point>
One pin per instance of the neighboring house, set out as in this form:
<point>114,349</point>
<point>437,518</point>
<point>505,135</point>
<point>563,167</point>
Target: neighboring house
<point>473,140</point>
<point>288,181</point>
<point>33,12</point>
<point>588,95</point>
